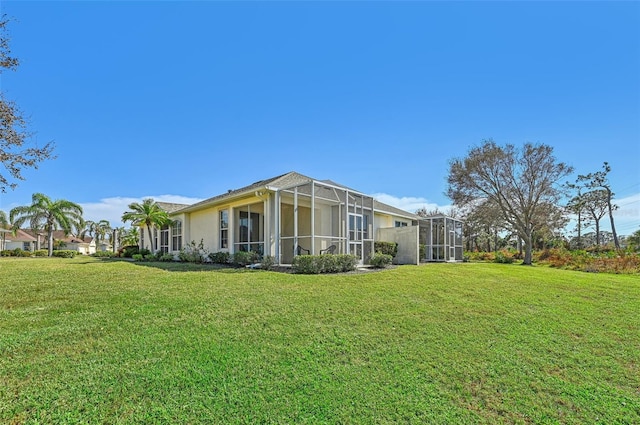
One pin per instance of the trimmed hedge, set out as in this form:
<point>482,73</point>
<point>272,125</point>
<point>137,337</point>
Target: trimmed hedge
<point>387,248</point>
<point>243,258</point>
<point>64,253</point>
<point>104,254</point>
<point>328,263</point>
<point>17,252</point>
<point>380,261</point>
<point>220,257</point>
<point>267,262</point>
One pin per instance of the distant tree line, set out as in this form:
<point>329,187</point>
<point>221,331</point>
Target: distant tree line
<point>515,196</point>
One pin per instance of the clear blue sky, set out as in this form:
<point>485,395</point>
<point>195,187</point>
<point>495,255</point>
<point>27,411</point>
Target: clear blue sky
<point>189,99</point>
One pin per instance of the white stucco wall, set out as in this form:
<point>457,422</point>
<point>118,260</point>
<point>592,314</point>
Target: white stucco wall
<point>203,226</point>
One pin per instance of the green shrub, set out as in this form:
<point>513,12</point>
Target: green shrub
<point>194,253</point>
<point>422,251</point>
<point>481,256</point>
<point>346,262</point>
<point>41,253</point>
<point>64,253</point>
<point>6,253</point>
<point>380,261</point>
<point>104,254</point>
<point>503,257</point>
<point>220,257</point>
<point>328,263</point>
<point>388,248</point>
<point>25,254</point>
<point>137,257</point>
<point>267,262</point>
<point>306,264</point>
<point>243,258</point>
<point>128,251</point>
<point>166,257</point>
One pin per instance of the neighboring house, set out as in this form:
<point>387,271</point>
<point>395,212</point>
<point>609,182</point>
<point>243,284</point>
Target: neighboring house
<point>293,214</point>
<point>19,239</point>
<point>85,246</point>
<point>103,246</point>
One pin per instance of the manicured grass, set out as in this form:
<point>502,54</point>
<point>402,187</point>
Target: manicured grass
<point>84,340</point>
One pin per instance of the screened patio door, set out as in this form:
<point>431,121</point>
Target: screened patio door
<point>355,235</point>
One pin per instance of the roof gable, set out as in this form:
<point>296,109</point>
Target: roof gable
<point>282,181</point>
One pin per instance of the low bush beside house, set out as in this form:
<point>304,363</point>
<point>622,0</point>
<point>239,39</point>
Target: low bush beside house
<point>104,254</point>
<point>220,257</point>
<point>388,248</point>
<point>165,257</point>
<point>243,258</point>
<point>41,253</point>
<point>346,262</point>
<point>64,253</point>
<point>305,264</point>
<point>194,253</point>
<point>380,261</point>
<point>267,262</point>
<point>327,263</point>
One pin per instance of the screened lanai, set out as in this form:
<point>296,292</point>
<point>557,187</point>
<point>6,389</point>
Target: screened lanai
<point>318,217</point>
<point>442,238</point>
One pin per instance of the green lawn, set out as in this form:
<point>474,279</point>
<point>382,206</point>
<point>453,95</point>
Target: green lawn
<point>84,340</point>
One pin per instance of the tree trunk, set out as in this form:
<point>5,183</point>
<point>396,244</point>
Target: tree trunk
<point>598,233</point>
<point>114,242</point>
<point>151,242</point>
<point>613,227</point>
<point>50,242</point>
<point>528,248</point>
<point>579,230</point>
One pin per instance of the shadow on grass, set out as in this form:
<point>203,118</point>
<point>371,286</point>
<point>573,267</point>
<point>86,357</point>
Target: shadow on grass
<point>189,267</point>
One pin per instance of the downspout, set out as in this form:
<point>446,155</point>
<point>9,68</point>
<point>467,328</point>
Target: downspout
<point>276,233</point>
<point>295,220</point>
<point>267,220</point>
<point>313,217</point>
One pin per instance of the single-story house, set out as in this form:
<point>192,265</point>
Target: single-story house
<point>85,246</point>
<point>293,214</point>
<point>10,240</point>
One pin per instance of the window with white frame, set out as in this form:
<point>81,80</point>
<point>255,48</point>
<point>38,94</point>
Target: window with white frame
<point>164,239</point>
<point>154,243</point>
<point>401,224</point>
<point>224,229</point>
<point>176,235</point>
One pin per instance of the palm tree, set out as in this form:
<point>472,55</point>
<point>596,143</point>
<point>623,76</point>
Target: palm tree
<point>130,236</point>
<point>102,228</point>
<point>4,224</point>
<point>48,215</point>
<point>149,214</point>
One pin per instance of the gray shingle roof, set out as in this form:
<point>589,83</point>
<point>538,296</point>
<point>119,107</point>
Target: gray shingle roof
<point>284,180</point>
<point>171,207</point>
